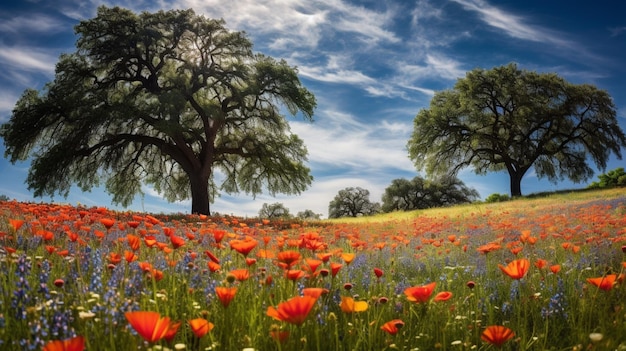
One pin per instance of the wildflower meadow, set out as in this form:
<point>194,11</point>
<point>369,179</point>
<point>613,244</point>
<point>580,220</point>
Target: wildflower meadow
<point>529,274</point>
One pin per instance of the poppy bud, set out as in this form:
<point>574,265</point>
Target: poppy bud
<point>470,284</point>
<point>59,283</point>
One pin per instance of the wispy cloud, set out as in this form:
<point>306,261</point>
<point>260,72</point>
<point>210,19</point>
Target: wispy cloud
<point>28,58</point>
<point>32,23</point>
<point>514,25</point>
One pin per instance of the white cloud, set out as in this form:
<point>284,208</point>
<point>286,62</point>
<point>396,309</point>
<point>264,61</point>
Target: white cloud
<point>28,59</point>
<point>33,23</point>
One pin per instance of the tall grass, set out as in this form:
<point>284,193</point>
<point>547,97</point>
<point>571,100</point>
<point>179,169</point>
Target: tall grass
<point>61,277</point>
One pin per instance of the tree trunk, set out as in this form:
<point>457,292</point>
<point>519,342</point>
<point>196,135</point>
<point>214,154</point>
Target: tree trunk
<point>199,195</point>
<point>516,183</point>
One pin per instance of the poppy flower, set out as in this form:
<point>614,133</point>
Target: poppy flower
<point>393,326</point>
<point>177,241</point>
<point>171,331</point>
<point>149,325</point>
<point>213,267</point>
<point>443,296</point>
<point>200,327</point>
<point>420,294</point>
<point>516,269</point>
<point>107,222</point>
<point>555,268</point>
<point>73,344</point>
<point>314,292</point>
<point>211,256</point>
<point>133,241</point>
<point>243,246</point>
<point>279,335</point>
<point>313,264</point>
<point>604,283</point>
<point>334,268</point>
<point>348,305</point>
<point>16,224</point>
<point>295,274</point>
<point>540,263</point>
<point>240,274</point>
<point>288,258</point>
<point>294,310</point>
<point>225,294</point>
<point>378,272</point>
<point>348,257</point>
<point>497,335</point>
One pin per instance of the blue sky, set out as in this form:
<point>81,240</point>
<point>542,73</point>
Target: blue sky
<point>372,65</point>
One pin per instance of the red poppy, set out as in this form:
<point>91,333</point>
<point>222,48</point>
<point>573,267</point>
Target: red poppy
<point>149,325</point>
<point>314,292</point>
<point>313,264</point>
<point>243,246</point>
<point>443,296</point>
<point>604,283</point>
<point>288,258</point>
<point>420,294</point>
<point>279,335</point>
<point>16,224</point>
<point>211,256</point>
<point>171,331</point>
<point>378,272</point>
<point>177,241</point>
<point>334,268</point>
<point>294,310</point>
<point>107,222</point>
<point>133,241</point>
<point>517,269</point>
<point>497,335</point>
<point>348,305</point>
<point>200,327</point>
<point>393,326</point>
<point>555,268</point>
<point>540,263</point>
<point>240,274</point>
<point>295,274</point>
<point>487,248</point>
<point>213,267</point>
<point>74,344</point>
<point>225,294</point>
<point>130,256</point>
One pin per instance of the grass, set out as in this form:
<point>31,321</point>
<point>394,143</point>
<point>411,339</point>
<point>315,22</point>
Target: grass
<point>76,272</point>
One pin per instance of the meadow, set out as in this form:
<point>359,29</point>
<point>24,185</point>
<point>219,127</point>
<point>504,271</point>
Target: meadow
<point>529,274</point>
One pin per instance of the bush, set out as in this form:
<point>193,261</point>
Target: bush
<point>495,197</point>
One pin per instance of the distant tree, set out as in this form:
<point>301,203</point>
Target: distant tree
<point>418,193</point>
<point>308,215</point>
<point>275,210</point>
<point>511,119</point>
<point>165,99</point>
<point>495,197</point>
<point>4,198</point>
<point>352,202</point>
<point>614,178</point>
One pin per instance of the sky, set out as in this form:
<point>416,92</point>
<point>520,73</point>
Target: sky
<point>372,65</point>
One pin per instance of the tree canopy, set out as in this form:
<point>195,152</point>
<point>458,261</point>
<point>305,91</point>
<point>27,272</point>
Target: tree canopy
<point>512,119</point>
<point>352,202</point>
<point>171,99</point>
<point>275,210</point>
<point>420,193</point>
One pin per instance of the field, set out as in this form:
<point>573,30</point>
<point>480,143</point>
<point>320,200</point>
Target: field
<point>529,274</point>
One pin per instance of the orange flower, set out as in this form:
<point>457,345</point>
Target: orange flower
<point>497,335</point>
<point>243,246</point>
<point>295,274</point>
<point>133,241</point>
<point>288,258</point>
<point>348,257</point>
<point>171,331</point>
<point>177,241</point>
<point>393,326</point>
<point>334,268</point>
<point>540,263</point>
<point>107,222</point>
<point>294,310</point>
<point>16,224</point>
<point>517,269</point>
<point>420,294</point>
<point>605,283</point>
<point>130,256</point>
<point>314,292</point>
<point>74,344</point>
<point>487,248</point>
<point>150,325</point>
<point>443,296</point>
<point>225,294</point>
<point>240,274</point>
<point>348,305</point>
<point>200,327</point>
<point>555,268</point>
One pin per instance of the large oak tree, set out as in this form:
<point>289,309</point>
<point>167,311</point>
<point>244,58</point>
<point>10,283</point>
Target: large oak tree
<point>171,99</point>
<point>512,119</point>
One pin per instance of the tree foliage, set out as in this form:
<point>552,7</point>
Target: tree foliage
<point>511,119</point>
<point>171,99</point>
<point>352,202</point>
<point>275,210</point>
<point>419,193</point>
<point>614,178</point>
<point>308,215</point>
